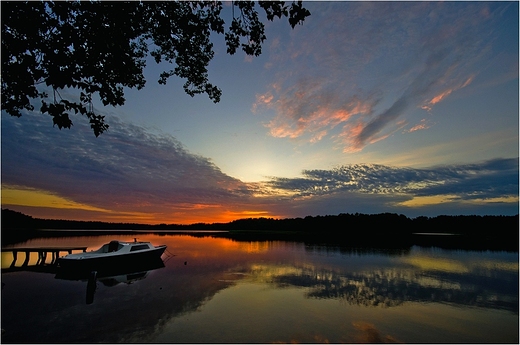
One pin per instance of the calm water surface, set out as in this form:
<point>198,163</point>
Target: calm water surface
<point>215,290</point>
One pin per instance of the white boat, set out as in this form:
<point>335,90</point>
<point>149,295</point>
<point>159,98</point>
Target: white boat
<point>112,255</point>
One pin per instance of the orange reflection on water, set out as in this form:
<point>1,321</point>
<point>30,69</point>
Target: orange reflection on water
<point>217,290</point>
<point>184,245</point>
<point>7,259</point>
<point>369,334</point>
<point>206,246</point>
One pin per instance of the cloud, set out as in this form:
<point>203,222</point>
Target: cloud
<point>487,180</point>
<point>420,126</point>
<point>443,94</point>
<point>129,168</point>
<point>315,116</point>
<point>355,70</point>
<point>131,173</point>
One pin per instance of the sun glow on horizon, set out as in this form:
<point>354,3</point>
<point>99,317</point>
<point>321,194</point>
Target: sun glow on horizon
<point>47,205</point>
<point>217,215</point>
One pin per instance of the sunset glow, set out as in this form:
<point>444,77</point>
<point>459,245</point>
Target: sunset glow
<point>368,107</point>
<point>12,195</point>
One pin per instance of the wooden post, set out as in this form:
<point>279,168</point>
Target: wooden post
<point>27,256</point>
<point>42,256</point>
<point>15,254</point>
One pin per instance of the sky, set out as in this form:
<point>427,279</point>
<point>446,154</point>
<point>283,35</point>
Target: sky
<point>368,107</point>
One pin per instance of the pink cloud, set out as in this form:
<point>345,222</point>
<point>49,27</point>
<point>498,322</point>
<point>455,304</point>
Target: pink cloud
<point>318,136</point>
<point>350,135</point>
<point>262,100</point>
<point>422,125</point>
<point>284,130</point>
<point>335,71</point>
<point>317,123</point>
<point>443,94</point>
<point>309,109</point>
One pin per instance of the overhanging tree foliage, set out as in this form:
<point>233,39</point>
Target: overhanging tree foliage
<point>98,48</point>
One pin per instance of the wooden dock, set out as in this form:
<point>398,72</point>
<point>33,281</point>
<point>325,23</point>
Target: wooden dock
<point>42,253</point>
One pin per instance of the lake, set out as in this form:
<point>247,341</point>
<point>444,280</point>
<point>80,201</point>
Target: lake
<point>218,290</point>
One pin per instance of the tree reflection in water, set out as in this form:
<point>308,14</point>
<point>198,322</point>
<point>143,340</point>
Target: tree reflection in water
<point>392,288</point>
<point>271,291</point>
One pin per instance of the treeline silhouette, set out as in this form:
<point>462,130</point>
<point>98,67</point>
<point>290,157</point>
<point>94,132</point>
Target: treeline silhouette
<point>342,227</point>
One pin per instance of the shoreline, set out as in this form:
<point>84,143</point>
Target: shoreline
<point>367,240</point>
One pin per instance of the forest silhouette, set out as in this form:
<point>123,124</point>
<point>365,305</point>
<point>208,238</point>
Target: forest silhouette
<point>387,229</point>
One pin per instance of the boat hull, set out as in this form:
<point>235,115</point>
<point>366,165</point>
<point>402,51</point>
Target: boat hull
<point>113,262</point>
<point>128,268</point>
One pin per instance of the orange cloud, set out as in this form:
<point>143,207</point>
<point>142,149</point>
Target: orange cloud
<point>468,81</point>
<point>318,136</point>
<point>438,98</point>
<point>309,108</point>
<point>292,124</point>
<point>420,126</point>
<point>284,130</point>
<point>21,196</point>
<point>41,204</point>
<point>262,100</point>
<point>85,214</point>
<point>350,134</point>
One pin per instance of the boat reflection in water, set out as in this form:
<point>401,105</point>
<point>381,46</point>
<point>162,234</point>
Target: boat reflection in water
<point>110,275</point>
<point>115,262</point>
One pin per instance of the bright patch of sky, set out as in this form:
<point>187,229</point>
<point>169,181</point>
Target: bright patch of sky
<point>394,93</point>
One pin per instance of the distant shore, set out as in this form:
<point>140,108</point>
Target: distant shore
<point>387,229</point>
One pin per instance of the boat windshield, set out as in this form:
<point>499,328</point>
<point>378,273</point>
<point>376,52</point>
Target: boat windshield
<point>114,246</point>
<point>139,247</point>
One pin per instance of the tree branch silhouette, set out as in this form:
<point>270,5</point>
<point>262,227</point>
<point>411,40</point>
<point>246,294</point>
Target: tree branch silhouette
<point>99,48</point>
